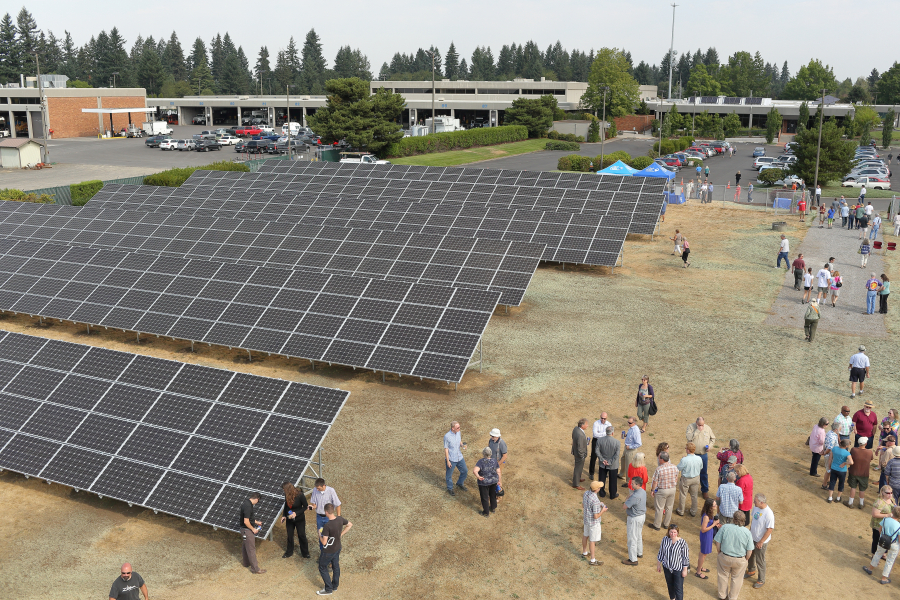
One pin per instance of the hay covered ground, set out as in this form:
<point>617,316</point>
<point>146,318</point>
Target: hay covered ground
<point>577,346</point>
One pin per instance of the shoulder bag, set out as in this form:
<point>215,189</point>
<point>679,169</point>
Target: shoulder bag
<point>652,410</point>
<point>885,541</point>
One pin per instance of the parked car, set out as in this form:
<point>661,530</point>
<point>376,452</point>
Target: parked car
<point>168,144</point>
<point>281,147</point>
<point>198,120</point>
<point>154,141</point>
<point>253,146</point>
<point>659,162</point>
<point>759,151</point>
<point>875,183</point>
<point>720,147</point>
<point>787,158</point>
<point>788,180</point>
<point>763,161</point>
<point>670,161</point>
<point>207,145</point>
<point>227,140</point>
<point>185,145</point>
<point>791,146</point>
<point>695,155</point>
<point>866,173</point>
<point>706,151</point>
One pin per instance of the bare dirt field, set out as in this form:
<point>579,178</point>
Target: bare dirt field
<point>577,346</point>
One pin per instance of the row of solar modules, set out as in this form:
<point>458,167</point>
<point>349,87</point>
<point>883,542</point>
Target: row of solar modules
<point>392,326</point>
<point>641,197</point>
<point>186,440</point>
<point>584,238</point>
<point>506,266</point>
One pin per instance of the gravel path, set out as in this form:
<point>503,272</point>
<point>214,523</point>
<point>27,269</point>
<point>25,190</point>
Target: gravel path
<point>848,317</point>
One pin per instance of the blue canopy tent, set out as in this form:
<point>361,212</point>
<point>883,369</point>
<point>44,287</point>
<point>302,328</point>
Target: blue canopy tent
<point>618,168</point>
<point>654,170</point>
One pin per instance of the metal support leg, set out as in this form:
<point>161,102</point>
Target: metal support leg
<point>192,346</point>
<point>313,363</point>
<point>249,357</point>
<point>382,377</point>
<point>89,329</point>
<point>138,336</point>
<point>480,354</point>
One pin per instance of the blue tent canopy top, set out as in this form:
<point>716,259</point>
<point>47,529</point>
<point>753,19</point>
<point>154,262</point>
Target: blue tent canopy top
<point>618,168</point>
<point>654,170</point>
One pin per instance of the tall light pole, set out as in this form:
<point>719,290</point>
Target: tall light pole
<point>605,89</point>
<point>114,73</point>
<point>694,113</point>
<point>671,52</point>
<point>750,124</point>
<point>45,151</point>
<point>432,90</point>
<point>819,147</point>
<point>287,94</point>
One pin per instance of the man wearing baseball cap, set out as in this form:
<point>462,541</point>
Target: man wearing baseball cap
<point>858,472</point>
<point>499,452</point>
<point>859,370</point>
<point>864,423</point>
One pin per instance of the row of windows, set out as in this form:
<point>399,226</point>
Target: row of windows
<point>516,92</point>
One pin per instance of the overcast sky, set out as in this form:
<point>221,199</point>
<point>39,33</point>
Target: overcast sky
<point>791,30</point>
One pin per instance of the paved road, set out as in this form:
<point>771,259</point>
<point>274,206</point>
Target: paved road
<point>847,318</point>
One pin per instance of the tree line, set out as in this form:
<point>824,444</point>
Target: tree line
<point>219,67</point>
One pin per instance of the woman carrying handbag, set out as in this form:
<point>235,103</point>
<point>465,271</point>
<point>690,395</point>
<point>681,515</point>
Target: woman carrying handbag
<point>644,401</point>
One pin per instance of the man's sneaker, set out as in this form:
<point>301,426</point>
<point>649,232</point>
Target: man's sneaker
<point>860,392</point>
<point>461,486</point>
<point>451,492</point>
<point>853,395</point>
<point>323,593</point>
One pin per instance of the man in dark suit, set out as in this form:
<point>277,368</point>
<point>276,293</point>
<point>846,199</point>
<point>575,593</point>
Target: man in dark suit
<point>579,451</point>
<point>608,449</point>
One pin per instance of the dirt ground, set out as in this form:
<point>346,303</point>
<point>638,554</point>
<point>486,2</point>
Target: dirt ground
<point>577,346</point>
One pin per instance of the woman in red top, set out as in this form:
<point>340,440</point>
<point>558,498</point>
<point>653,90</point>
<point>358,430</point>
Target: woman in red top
<point>865,421</point>
<point>637,468</point>
<point>745,482</point>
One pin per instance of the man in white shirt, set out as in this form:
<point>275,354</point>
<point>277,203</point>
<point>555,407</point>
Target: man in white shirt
<point>818,195</point>
<point>859,370</point>
<point>762,522</point>
<point>599,430</point>
<point>869,209</point>
<point>862,194</point>
<point>783,251</point>
<point>823,279</point>
<point>897,224</point>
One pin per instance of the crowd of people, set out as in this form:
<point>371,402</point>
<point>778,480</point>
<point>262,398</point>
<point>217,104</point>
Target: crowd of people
<point>850,448</point>
<point>724,517</point>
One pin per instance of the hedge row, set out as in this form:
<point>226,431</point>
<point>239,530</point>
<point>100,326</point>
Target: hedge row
<point>554,145</point>
<point>574,162</point>
<point>456,140</point>
<point>566,137</point>
<point>676,145</point>
<point>20,196</point>
<point>175,177</point>
<point>84,191</point>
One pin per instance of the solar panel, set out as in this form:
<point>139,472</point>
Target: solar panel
<point>396,256</point>
<point>375,324</point>
<point>186,440</point>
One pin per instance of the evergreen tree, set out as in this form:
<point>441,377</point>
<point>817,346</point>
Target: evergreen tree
<point>803,119</point>
<point>711,60</point>
<point>581,66</point>
<point>198,55</point>
<point>202,82</point>
<point>644,75</point>
<point>233,80</point>
<point>887,131</point>
<point>533,62</point>
<point>451,63</point>
<point>216,58</point>
<point>482,64</point>
<point>246,75</point>
<point>697,59</point>
<point>292,63</point>
<point>52,54</point>
<point>150,73</point>
<point>463,73</point>
<point>117,59</point>
<point>505,63</point>
<point>173,60</point>
<point>283,74</point>
<point>26,37</point>
<point>385,72</point>
<point>519,52</point>
<point>313,65</point>
<point>872,79</point>
<point>9,55</point>
<point>69,54</point>
<point>835,159</point>
<point>263,72</point>
<point>353,63</point>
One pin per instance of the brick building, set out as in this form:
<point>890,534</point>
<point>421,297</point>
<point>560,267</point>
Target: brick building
<point>20,110</point>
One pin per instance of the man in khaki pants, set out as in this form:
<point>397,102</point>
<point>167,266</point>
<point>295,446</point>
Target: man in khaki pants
<point>689,467</point>
<point>734,545</point>
<point>662,487</point>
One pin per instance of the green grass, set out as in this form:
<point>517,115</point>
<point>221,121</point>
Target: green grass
<point>462,157</point>
<point>835,191</point>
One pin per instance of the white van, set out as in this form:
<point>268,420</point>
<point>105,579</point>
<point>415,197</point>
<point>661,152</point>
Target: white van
<point>293,126</point>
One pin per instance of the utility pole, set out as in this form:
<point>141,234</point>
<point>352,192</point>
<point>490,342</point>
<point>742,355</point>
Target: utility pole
<point>287,94</point>
<point>819,147</point>
<point>603,125</point>
<point>671,52</point>
<point>114,73</point>
<point>45,151</point>
<point>432,91</point>
<point>694,114</point>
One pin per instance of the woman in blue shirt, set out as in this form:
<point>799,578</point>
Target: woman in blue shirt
<point>890,526</point>
<point>883,292</point>
<point>840,460</point>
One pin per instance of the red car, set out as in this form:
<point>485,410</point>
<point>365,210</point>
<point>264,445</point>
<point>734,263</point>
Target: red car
<point>247,131</point>
<point>670,161</point>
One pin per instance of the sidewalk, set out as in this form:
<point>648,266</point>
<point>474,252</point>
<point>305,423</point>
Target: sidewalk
<point>848,317</point>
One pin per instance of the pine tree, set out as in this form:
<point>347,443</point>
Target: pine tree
<point>174,59</point>
<point>292,62</point>
<point>150,71</point>
<point>68,57</point>
<point>216,58</point>
<point>26,35</point>
<point>313,65</point>
<point>198,55</point>
<point>463,73</point>
<point>9,66</point>
<point>533,62</point>
<point>202,82</point>
<point>283,74</point>
<point>385,72</point>
<point>451,63</point>
<point>505,66</point>
<point>233,81</point>
<point>246,75</point>
<point>117,59</point>
<point>263,72</point>
<point>353,63</point>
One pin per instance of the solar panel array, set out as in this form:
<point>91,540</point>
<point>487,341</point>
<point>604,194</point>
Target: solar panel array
<point>270,195</point>
<point>504,265</point>
<point>393,326</point>
<point>186,440</point>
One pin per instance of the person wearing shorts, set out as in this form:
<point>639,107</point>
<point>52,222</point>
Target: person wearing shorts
<point>859,370</point>
<point>858,473</point>
<point>835,288</point>
<point>593,513</point>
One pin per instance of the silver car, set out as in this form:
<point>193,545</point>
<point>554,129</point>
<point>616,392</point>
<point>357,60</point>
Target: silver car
<point>185,145</point>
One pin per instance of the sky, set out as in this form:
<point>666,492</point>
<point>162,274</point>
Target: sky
<point>799,30</point>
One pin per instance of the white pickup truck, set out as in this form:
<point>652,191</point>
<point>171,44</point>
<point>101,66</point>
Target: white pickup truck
<point>365,159</point>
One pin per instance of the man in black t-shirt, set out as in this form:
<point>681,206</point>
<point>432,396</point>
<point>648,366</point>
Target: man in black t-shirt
<point>249,529</point>
<point>330,539</point>
<point>129,586</point>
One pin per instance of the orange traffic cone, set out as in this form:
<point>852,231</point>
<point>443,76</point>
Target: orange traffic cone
<point>728,187</point>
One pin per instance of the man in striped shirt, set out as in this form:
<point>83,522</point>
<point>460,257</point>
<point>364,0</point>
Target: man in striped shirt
<point>662,488</point>
<point>729,496</point>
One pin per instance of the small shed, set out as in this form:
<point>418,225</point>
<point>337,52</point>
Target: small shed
<point>17,153</point>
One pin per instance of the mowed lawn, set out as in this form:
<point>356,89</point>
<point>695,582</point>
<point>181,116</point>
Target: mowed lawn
<point>462,157</point>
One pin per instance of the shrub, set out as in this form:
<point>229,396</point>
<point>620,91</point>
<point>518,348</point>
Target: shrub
<point>611,130</point>
<point>689,139</point>
<point>640,162</point>
<point>574,162</point>
<point>20,196</point>
<point>556,145</point>
<point>611,158</point>
<point>594,131</point>
<point>553,134</point>
<point>668,147</point>
<point>770,176</point>
<point>457,140</point>
<point>84,191</point>
<point>175,177</point>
